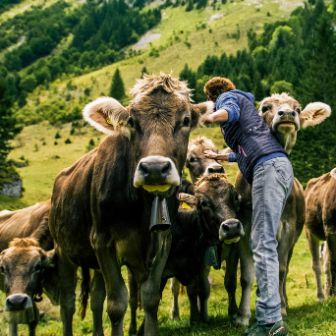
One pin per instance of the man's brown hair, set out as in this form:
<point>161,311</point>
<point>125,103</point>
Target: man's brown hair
<point>216,86</point>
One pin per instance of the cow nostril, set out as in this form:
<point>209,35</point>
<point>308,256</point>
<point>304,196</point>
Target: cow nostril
<point>217,169</point>
<point>226,227</point>
<point>281,113</point>
<point>144,168</point>
<point>293,114</point>
<point>166,168</point>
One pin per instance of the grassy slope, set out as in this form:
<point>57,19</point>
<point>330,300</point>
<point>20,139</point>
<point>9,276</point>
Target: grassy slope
<point>175,54</point>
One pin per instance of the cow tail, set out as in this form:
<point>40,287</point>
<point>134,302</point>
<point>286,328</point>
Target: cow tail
<point>85,291</point>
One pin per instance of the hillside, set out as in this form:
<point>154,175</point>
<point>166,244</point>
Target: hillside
<point>181,37</point>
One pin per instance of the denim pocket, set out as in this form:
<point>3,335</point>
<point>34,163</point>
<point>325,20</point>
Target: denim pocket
<point>283,170</point>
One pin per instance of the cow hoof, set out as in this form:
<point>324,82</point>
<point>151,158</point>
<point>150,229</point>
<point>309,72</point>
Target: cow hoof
<point>284,312</point>
<point>175,316</point>
<point>241,321</point>
<point>320,297</point>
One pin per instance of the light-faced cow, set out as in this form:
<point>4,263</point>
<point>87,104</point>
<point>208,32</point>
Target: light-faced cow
<point>24,263</point>
<point>199,165</point>
<point>102,205</point>
<point>284,116</point>
<point>29,266</point>
<point>320,224</point>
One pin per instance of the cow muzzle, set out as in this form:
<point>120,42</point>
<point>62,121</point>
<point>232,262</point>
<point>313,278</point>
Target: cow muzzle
<point>20,308</point>
<point>213,169</point>
<point>231,231</point>
<point>156,174</point>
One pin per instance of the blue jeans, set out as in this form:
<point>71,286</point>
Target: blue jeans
<point>272,183</point>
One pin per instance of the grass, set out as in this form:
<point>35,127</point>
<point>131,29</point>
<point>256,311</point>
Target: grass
<point>306,316</point>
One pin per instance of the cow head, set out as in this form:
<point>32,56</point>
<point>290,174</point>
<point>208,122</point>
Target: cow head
<point>284,116</point>
<point>217,203</point>
<point>22,267</point>
<point>197,163</point>
<point>158,122</point>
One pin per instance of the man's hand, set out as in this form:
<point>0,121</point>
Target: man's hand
<point>206,119</point>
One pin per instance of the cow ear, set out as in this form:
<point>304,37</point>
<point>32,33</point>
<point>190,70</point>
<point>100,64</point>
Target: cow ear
<point>333,173</point>
<point>106,114</point>
<point>314,113</point>
<point>189,199</point>
<point>200,109</point>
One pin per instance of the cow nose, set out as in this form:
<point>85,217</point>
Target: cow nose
<point>231,231</point>
<point>16,302</point>
<point>155,169</point>
<point>284,114</point>
<point>214,169</point>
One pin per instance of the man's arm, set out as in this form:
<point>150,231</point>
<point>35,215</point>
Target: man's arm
<point>227,109</point>
<point>230,157</point>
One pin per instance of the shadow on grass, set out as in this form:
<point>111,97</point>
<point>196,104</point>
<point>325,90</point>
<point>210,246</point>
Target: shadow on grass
<point>310,319</point>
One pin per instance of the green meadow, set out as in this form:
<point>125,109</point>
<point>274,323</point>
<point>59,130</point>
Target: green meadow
<point>37,145</point>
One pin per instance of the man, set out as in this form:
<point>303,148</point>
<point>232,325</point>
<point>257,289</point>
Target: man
<point>264,164</point>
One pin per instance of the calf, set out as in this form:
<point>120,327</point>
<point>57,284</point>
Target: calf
<point>283,115</point>
<point>320,224</point>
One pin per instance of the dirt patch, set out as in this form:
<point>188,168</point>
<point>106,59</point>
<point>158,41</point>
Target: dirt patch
<point>145,40</point>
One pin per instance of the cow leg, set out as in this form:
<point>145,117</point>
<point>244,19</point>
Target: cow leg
<point>246,281</point>
<point>67,285</point>
<point>331,241</point>
<point>151,287</point>
<point>175,289</point>
<point>283,266</point>
<point>230,281</point>
<point>13,330</point>
<point>32,328</point>
<point>192,291</point>
<point>314,246</point>
<point>133,302</point>
<point>97,303</point>
<point>204,293</point>
<point>116,291</point>
<point>326,267</point>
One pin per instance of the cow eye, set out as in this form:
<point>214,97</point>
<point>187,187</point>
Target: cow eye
<point>186,122</point>
<point>37,268</point>
<point>192,159</point>
<point>265,108</point>
<point>130,122</point>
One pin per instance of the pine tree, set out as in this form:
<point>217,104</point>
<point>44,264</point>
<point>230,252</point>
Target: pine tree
<point>117,89</point>
<point>8,126</point>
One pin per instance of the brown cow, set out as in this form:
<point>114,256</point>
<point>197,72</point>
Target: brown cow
<point>283,115</point>
<point>102,205</point>
<point>320,224</point>
<point>29,266</point>
<point>24,262</point>
<point>197,163</point>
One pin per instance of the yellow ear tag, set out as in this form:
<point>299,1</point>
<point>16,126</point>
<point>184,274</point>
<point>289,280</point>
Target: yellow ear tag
<point>108,121</point>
